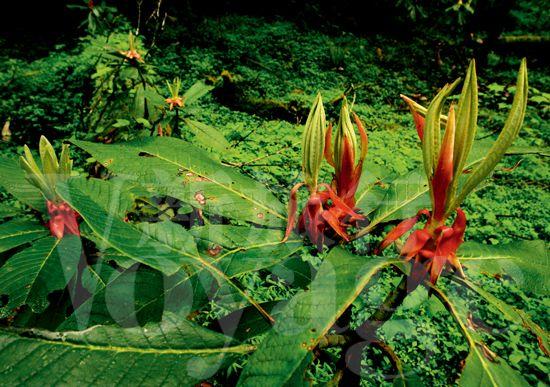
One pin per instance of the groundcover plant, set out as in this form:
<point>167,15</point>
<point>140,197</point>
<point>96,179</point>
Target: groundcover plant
<point>136,272</point>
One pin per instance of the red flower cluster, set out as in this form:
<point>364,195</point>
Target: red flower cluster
<point>63,220</point>
<point>329,213</point>
<point>174,101</point>
<point>433,247</point>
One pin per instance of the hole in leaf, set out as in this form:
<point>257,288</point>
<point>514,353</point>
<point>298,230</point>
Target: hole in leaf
<point>4,299</point>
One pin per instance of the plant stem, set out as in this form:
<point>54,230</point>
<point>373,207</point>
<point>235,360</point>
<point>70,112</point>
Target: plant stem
<point>366,333</point>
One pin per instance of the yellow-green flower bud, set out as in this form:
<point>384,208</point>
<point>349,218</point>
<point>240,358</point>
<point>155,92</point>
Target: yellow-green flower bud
<point>313,143</point>
<point>345,140</point>
<point>52,171</point>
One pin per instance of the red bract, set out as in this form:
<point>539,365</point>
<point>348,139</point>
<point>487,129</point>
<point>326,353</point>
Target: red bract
<point>431,248</point>
<point>330,210</point>
<point>63,220</point>
<point>418,119</point>
<point>347,170</point>
<point>324,215</point>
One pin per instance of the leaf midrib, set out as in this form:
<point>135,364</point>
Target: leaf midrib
<point>41,267</point>
<point>243,348</point>
<point>241,194</point>
<point>22,233</point>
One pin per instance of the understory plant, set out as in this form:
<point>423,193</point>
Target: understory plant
<point>434,247</point>
<point>63,219</point>
<point>328,213</point>
<point>167,296</point>
<point>128,100</point>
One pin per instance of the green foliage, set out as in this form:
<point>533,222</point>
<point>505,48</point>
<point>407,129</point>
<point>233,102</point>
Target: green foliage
<point>139,351</point>
<point>180,259</point>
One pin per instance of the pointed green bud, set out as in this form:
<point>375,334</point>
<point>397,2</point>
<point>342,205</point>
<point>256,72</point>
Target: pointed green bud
<point>52,170</point>
<point>505,139</point>
<point>50,164</point>
<point>313,143</point>
<point>65,162</point>
<point>345,140</point>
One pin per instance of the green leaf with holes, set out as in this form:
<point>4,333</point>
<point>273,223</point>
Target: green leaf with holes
<point>164,246</point>
<point>207,136</point>
<point>124,237</point>
<point>239,249</point>
<point>177,168</point>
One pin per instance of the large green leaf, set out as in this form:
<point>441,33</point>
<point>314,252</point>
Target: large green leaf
<point>165,246</point>
<point>128,300</point>
<point>308,316</point>
<point>17,232</point>
<point>30,275</point>
<point>482,366</point>
<point>372,187</point>
<point>12,179</point>
<point>243,249</point>
<point>527,262</point>
<point>196,91</point>
<point>207,136</point>
<point>124,237</point>
<point>173,352</point>
<point>179,169</point>
<point>402,198</point>
<point>405,192</point>
<point>116,196</point>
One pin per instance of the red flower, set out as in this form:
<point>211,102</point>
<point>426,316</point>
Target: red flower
<point>174,101</point>
<point>330,212</point>
<point>62,220</point>
<point>430,249</point>
<point>433,247</point>
<point>324,215</point>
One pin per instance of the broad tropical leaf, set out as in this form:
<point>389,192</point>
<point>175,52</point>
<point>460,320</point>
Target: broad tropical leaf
<point>13,180</point>
<point>122,236</point>
<point>482,366</point>
<point>166,246</point>
<point>208,136</point>
<point>30,275</point>
<point>239,249</point>
<point>17,232</point>
<point>127,299</point>
<point>527,262</point>
<point>308,316</point>
<point>179,169</point>
<point>116,196</point>
<point>172,352</point>
<point>196,91</point>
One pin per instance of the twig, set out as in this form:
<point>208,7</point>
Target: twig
<point>365,334</point>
